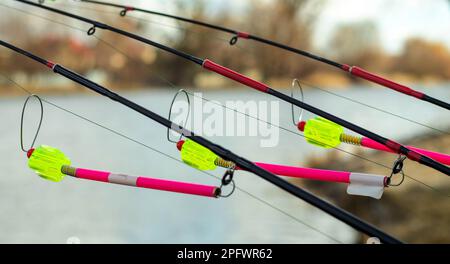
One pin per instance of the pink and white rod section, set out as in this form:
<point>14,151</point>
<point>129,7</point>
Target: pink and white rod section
<point>143,182</point>
<point>371,185</point>
<point>358,183</point>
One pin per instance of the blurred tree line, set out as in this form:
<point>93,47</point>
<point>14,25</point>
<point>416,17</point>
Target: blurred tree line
<point>128,63</point>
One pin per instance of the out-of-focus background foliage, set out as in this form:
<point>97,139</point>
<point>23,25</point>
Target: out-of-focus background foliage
<point>292,22</point>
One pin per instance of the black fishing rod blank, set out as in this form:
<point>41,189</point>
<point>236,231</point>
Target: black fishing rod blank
<point>243,163</point>
<point>353,70</point>
<point>212,66</point>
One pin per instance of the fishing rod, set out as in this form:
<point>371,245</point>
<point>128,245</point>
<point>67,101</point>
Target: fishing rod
<point>353,70</point>
<point>203,159</point>
<point>324,133</point>
<point>346,98</point>
<point>243,163</point>
<point>371,185</point>
<point>230,74</point>
<point>52,164</point>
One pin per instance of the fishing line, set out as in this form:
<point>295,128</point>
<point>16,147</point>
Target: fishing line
<point>277,126</point>
<point>39,124</point>
<point>172,85</point>
<point>170,114</point>
<point>241,162</point>
<point>220,151</point>
<point>250,83</point>
<point>42,17</point>
<point>212,101</point>
<point>353,70</point>
<point>219,69</point>
<point>146,20</point>
<point>425,185</point>
<point>314,86</point>
<point>295,83</point>
<point>374,107</point>
<point>149,21</point>
<point>123,136</point>
<point>247,50</point>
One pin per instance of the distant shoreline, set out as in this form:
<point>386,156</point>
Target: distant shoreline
<point>13,91</point>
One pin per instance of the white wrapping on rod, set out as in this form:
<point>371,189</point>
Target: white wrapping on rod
<point>366,185</point>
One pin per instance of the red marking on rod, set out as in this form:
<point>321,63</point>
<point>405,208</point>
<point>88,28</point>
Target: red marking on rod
<point>243,35</point>
<point>346,67</point>
<point>212,66</point>
<point>393,145</point>
<point>129,8</point>
<point>385,82</point>
<point>414,156</point>
<point>50,64</point>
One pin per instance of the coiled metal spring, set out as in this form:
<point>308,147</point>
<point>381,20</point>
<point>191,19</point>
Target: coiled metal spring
<point>349,139</point>
<point>224,163</point>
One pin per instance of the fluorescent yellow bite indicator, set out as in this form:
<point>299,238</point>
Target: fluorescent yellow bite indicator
<point>197,156</point>
<point>322,132</point>
<point>47,161</point>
